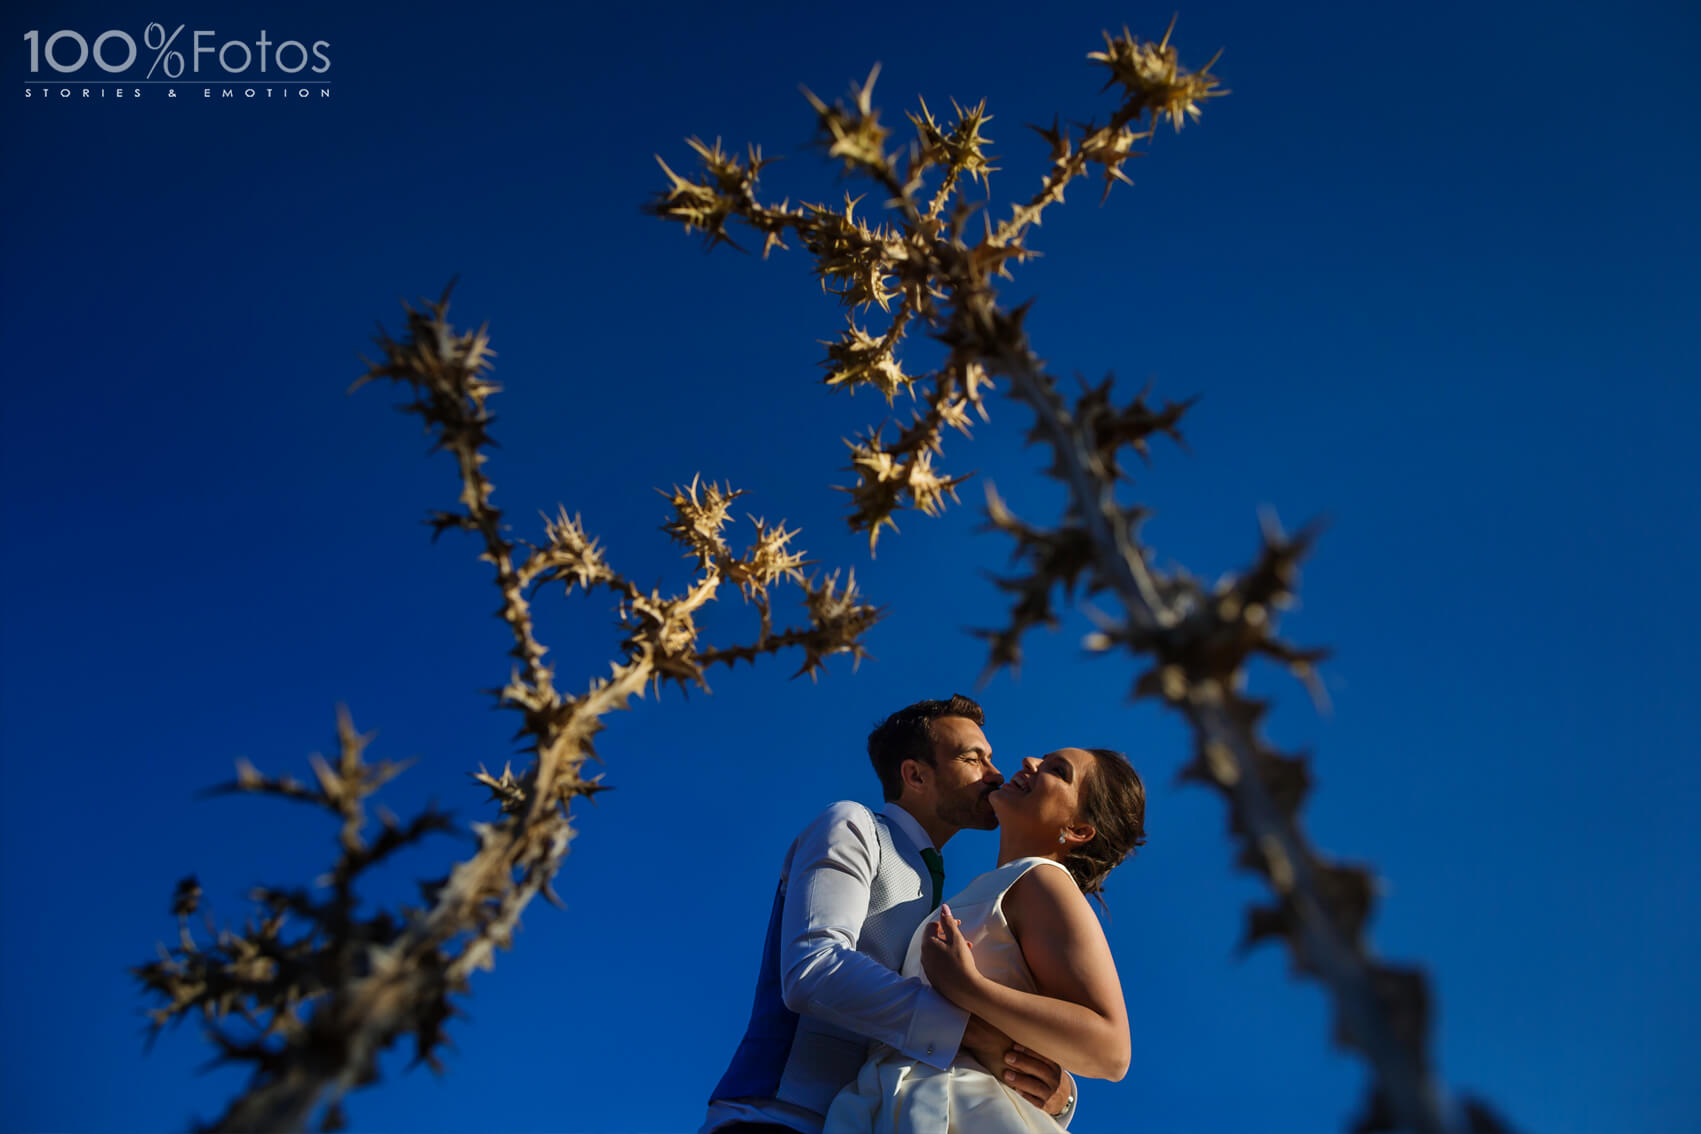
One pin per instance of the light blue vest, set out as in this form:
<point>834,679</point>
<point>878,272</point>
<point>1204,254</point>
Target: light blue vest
<point>802,1060</point>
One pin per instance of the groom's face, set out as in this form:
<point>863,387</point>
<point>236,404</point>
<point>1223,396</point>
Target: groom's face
<point>964,775</point>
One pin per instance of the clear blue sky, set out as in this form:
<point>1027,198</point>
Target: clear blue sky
<point>1434,272</point>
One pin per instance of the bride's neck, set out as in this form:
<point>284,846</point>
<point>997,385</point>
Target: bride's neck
<point>1012,846</point>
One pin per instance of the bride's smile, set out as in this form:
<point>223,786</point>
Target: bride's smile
<point>1042,800</point>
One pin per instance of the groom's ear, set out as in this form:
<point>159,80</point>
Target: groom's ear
<point>914,773</point>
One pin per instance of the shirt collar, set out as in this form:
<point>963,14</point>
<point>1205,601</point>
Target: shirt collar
<point>906,823</point>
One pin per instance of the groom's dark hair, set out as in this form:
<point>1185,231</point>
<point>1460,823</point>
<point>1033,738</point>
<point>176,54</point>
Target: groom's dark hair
<point>908,735</point>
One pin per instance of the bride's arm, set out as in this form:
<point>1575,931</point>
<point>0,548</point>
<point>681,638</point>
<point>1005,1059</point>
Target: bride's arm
<point>1077,1017</point>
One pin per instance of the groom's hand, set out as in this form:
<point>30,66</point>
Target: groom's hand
<point>986,1043</point>
<point>1036,1079</point>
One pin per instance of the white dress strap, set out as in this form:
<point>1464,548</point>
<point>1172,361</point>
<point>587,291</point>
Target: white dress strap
<point>1018,869</point>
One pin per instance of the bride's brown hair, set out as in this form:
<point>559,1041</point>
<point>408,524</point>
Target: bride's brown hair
<point>1113,800</point>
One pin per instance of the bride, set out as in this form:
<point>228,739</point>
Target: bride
<point>1021,948</point>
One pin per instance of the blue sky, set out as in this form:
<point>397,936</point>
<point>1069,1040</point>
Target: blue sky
<point>1433,273</point>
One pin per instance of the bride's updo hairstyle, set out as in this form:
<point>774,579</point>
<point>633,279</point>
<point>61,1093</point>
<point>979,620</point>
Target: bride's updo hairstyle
<point>1113,800</point>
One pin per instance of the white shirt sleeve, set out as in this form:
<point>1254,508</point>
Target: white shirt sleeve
<point>821,972</point>
<point>1069,1108</point>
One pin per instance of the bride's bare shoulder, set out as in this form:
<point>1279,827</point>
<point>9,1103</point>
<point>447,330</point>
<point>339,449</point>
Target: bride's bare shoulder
<point>1064,945</point>
<point>1046,895</point>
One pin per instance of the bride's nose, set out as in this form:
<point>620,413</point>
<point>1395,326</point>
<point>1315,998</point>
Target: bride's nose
<point>1030,763</point>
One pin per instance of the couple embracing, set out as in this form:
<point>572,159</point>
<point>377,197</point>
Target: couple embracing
<point>880,1008</point>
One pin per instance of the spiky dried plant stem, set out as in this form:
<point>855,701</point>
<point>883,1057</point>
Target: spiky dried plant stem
<point>1199,639</point>
<point>1380,1010</point>
<point>371,981</point>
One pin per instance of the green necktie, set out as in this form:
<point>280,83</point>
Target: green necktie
<point>935,867</point>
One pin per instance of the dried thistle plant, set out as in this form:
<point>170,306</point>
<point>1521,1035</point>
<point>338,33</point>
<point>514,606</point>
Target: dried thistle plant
<point>317,1004</point>
<point>919,265</point>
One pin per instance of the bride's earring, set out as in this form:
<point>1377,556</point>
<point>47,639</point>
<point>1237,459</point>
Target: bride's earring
<point>1061,839</point>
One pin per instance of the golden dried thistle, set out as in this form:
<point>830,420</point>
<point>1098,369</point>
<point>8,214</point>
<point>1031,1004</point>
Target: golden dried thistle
<point>1197,641</point>
<point>322,1002</point>
<point>1151,77</point>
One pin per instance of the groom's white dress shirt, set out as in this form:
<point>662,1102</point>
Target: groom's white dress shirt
<point>852,892</point>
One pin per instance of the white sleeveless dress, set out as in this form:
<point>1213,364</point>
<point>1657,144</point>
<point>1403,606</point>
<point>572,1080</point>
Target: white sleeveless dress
<point>894,1094</point>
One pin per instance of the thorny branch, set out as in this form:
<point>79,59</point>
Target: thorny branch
<point>320,1005</point>
<point>1195,640</point>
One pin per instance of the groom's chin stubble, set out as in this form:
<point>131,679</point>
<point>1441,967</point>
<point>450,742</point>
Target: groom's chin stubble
<point>977,816</point>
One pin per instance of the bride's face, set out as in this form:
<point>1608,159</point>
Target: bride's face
<point>1044,797</point>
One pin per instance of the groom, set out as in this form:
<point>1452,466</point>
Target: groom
<point>854,887</point>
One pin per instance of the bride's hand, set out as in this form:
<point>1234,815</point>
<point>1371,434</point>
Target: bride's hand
<point>948,960</point>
